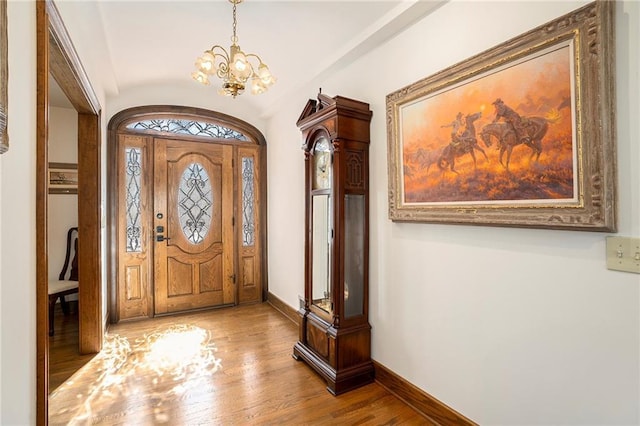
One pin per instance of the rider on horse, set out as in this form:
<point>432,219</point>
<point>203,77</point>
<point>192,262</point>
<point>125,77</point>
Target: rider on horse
<point>458,134</point>
<point>518,123</point>
<point>455,125</point>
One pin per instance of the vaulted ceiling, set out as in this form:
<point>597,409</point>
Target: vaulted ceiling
<point>156,42</point>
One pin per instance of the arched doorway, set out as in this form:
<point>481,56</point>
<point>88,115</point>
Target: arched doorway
<point>187,211</point>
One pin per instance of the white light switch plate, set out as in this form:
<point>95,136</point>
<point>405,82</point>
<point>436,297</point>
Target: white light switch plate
<point>623,254</point>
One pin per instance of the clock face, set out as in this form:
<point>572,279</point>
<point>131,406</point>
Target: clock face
<point>322,164</point>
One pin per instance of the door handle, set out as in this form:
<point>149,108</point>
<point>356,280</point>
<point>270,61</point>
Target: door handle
<point>161,238</point>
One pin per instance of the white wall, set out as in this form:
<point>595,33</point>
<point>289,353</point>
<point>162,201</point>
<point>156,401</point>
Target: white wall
<point>63,208</point>
<point>17,217</point>
<point>507,326</point>
<point>18,207</point>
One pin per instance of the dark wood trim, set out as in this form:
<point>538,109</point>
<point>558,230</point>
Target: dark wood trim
<point>57,56</point>
<point>89,217</point>
<point>107,321</point>
<point>124,117</point>
<point>262,194</point>
<point>112,225</point>
<point>42,181</point>
<point>66,67</point>
<point>281,306</point>
<point>418,399</point>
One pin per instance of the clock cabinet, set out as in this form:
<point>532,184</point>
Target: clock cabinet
<point>335,335</point>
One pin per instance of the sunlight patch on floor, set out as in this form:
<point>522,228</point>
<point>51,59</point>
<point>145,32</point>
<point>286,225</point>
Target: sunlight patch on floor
<point>152,370</point>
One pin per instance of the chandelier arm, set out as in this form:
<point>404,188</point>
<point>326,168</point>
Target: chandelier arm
<point>248,55</point>
<point>224,54</point>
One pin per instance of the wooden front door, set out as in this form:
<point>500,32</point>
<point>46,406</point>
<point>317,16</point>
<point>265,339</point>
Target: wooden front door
<point>193,226</point>
<point>187,212</point>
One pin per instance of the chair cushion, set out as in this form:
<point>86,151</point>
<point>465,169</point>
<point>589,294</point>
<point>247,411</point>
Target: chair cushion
<point>60,286</point>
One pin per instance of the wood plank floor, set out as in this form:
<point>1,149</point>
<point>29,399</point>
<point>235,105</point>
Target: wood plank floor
<point>223,367</point>
<point>64,358</point>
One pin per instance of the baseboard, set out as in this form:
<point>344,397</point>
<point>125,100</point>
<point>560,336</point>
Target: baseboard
<point>421,401</point>
<point>285,309</point>
<point>413,396</point>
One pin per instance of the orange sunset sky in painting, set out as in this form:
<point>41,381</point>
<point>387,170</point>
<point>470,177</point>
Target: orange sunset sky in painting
<point>539,86</point>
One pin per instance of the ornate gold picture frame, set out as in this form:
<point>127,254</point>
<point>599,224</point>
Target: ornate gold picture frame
<point>4,78</point>
<point>520,135</point>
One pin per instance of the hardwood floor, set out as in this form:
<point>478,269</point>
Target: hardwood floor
<point>227,366</point>
<point>64,356</point>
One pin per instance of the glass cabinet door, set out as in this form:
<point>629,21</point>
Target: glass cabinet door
<point>353,255</point>
<point>321,255</point>
<point>321,237</point>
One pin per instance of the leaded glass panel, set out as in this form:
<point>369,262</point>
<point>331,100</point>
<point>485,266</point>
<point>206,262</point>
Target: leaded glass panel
<point>248,200</point>
<point>195,203</point>
<point>187,127</point>
<point>133,170</point>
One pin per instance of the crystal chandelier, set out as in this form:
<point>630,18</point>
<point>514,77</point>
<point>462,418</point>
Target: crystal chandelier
<point>235,68</point>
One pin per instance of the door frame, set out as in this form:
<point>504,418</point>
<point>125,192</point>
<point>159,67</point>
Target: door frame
<point>118,125</point>
<point>56,55</point>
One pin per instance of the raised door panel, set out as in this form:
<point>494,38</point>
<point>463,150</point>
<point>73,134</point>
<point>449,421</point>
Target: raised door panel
<point>211,274</point>
<point>179,278</point>
<point>133,282</point>
<point>318,339</point>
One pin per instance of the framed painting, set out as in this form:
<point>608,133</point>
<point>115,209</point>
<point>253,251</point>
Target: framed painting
<point>4,76</point>
<point>520,135</point>
<point>63,178</point>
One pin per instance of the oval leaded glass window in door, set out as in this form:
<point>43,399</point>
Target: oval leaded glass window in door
<point>195,203</point>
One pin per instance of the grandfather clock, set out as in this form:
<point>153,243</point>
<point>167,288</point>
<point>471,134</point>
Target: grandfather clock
<point>335,335</point>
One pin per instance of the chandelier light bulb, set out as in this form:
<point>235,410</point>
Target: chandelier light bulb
<point>200,77</point>
<point>240,62</point>
<point>265,75</point>
<point>206,63</point>
<point>257,86</point>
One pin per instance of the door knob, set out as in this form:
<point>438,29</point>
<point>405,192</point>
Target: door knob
<point>160,238</point>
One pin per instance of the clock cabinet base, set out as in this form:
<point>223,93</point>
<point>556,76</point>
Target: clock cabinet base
<point>337,381</point>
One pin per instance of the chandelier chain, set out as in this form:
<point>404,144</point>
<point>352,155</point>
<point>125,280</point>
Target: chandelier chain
<point>234,38</point>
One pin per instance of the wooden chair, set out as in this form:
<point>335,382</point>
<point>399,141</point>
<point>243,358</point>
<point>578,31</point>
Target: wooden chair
<point>63,287</point>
